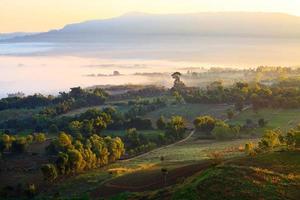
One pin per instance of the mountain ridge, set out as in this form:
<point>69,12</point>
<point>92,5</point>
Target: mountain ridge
<point>216,24</point>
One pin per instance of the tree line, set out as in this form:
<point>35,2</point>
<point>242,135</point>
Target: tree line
<point>282,94</point>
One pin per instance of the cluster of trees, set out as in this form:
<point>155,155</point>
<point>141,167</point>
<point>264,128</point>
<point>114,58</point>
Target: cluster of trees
<point>145,91</point>
<point>218,129</point>
<point>173,129</point>
<point>31,101</point>
<point>74,155</point>
<point>138,143</point>
<point>142,107</point>
<point>284,94</point>
<point>65,102</point>
<point>19,144</point>
<point>92,121</point>
<point>273,139</point>
<point>76,98</point>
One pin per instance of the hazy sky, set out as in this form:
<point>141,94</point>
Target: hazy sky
<point>42,15</point>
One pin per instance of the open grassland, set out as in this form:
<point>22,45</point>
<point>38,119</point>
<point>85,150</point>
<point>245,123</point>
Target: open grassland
<point>274,175</point>
<point>277,118</point>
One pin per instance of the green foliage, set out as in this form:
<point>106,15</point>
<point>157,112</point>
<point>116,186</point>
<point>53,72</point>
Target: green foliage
<point>205,124</point>
<point>270,140</point>
<point>40,137</point>
<point>75,156</point>
<point>223,131</point>
<point>176,128</point>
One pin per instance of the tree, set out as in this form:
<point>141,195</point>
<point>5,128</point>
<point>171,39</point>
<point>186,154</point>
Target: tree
<point>176,127</point>
<point>75,161</point>
<point>64,141</point>
<point>87,128</point>
<point>222,131</point>
<point>6,141</point>
<point>270,139</point>
<point>132,138</point>
<point>178,97</point>
<point>205,124</point>
<point>178,84</point>
<point>161,123</point>
<point>29,138</point>
<point>39,137</point>
<point>115,147</point>
<point>62,163</point>
<point>75,127</point>
<point>49,171</point>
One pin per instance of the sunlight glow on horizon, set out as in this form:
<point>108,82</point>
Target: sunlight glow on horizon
<point>37,15</point>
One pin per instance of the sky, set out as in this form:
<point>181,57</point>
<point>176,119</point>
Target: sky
<point>44,15</point>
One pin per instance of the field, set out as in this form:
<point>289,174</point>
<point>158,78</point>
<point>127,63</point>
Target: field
<point>283,119</point>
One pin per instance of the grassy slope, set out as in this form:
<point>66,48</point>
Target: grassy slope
<point>280,118</point>
<point>270,176</point>
<point>177,156</point>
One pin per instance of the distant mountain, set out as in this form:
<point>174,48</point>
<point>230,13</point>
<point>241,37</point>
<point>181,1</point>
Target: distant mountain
<point>139,25</point>
<point>5,36</point>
